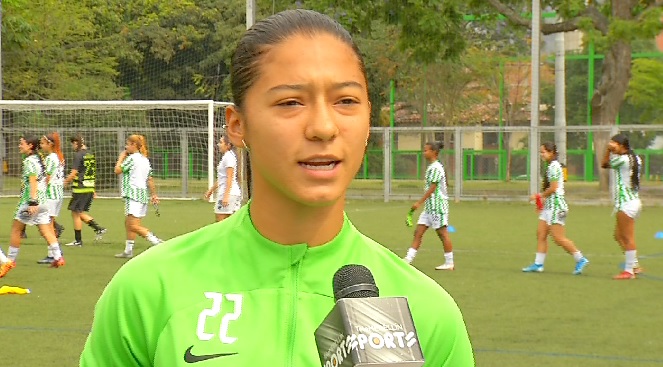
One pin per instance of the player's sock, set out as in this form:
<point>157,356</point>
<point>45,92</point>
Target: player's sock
<point>449,257</point>
<point>54,251</point>
<point>94,225</point>
<point>411,254</point>
<point>129,247</point>
<point>3,258</point>
<point>154,240</point>
<point>540,258</point>
<point>78,236</point>
<point>12,254</point>
<point>577,256</point>
<point>629,262</point>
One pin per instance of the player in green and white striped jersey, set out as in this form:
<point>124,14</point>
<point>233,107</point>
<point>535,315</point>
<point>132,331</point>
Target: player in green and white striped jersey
<point>50,144</point>
<point>627,166</point>
<point>553,216</point>
<point>31,208</point>
<point>137,190</point>
<point>436,208</point>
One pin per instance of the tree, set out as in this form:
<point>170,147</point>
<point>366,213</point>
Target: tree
<point>612,26</point>
<point>646,88</point>
<point>48,58</point>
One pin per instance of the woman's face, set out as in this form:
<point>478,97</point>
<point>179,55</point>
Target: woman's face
<point>24,147</point>
<point>46,145</point>
<point>305,120</point>
<point>130,147</point>
<point>616,148</point>
<point>546,155</point>
<point>223,147</point>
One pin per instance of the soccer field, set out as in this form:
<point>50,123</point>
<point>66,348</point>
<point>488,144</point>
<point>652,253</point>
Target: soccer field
<point>514,319</point>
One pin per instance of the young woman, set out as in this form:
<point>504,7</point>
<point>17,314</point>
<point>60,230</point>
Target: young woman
<point>228,194</point>
<point>31,209</point>
<point>301,105</point>
<point>138,191</point>
<point>54,162</point>
<point>620,157</point>
<point>553,216</point>
<point>82,177</point>
<point>436,208</point>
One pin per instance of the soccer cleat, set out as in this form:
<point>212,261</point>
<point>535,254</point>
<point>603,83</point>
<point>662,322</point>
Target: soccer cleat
<point>99,234</point>
<point>638,269</point>
<point>75,243</point>
<point>624,275</point>
<point>408,218</point>
<point>445,266</point>
<point>6,267</point>
<point>534,268</point>
<point>580,264</point>
<point>46,260</point>
<point>58,263</point>
<point>124,255</point>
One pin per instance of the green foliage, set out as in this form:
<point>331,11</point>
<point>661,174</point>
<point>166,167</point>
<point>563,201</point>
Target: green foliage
<point>646,89</point>
<point>430,30</point>
<point>48,58</point>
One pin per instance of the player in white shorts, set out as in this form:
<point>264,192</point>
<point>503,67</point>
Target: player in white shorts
<point>228,193</point>
<point>627,166</point>
<point>31,208</point>
<point>138,191</point>
<point>436,208</point>
<point>553,216</point>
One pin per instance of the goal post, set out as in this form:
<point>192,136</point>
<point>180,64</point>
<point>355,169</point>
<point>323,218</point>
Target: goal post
<point>181,138</point>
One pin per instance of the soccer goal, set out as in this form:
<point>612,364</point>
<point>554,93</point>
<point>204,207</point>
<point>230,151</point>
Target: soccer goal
<point>181,138</point>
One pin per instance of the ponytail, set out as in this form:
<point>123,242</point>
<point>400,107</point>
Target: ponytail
<point>635,170</point>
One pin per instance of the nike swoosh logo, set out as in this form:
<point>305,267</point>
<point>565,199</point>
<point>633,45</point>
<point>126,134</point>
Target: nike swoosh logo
<point>192,358</point>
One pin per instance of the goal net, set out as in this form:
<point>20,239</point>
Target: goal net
<point>181,138</point>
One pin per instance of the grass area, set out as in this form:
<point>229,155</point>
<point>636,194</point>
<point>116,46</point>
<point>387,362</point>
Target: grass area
<point>514,319</point>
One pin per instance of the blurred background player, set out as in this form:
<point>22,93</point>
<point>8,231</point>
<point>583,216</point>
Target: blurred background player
<point>51,147</point>
<point>553,216</point>
<point>137,190</point>
<point>436,208</point>
<point>228,193</point>
<point>82,178</point>
<point>620,157</point>
<point>31,208</point>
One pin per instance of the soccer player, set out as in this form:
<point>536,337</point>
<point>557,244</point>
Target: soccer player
<point>620,157</point>
<point>51,146</point>
<point>436,208</point>
<point>228,194</point>
<point>82,178</point>
<point>553,216</point>
<point>31,208</point>
<point>251,290</point>
<point>137,190</point>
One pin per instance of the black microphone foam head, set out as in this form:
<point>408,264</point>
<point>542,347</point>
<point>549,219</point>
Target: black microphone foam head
<point>354,281</point>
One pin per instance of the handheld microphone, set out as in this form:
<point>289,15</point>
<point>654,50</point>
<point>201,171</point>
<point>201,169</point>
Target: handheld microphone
<point>365,330</point>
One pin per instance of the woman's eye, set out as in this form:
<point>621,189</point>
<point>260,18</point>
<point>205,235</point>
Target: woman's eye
<point>291,102</point>
<point>348,101</point>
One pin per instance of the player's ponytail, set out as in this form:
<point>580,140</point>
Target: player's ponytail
<point>634,161</point>
<point>54,138</point>
<point>143,146</point>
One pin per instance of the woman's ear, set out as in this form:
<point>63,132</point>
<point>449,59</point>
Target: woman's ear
<point>235,126</point>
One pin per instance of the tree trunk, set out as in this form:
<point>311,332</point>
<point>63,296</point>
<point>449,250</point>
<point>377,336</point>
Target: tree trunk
<point>608,98</point>
<point>609,93</point>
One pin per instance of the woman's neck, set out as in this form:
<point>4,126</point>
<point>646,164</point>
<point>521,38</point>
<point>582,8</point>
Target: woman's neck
<point>284,221</point>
